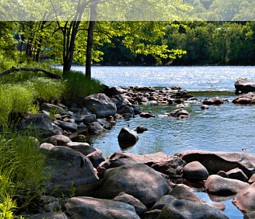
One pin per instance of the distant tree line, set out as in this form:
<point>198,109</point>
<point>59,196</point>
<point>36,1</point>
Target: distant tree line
<point>205,43</point>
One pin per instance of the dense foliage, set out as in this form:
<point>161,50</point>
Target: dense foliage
<point>205,43</point>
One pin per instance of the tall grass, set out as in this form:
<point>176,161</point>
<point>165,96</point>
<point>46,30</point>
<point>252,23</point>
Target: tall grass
<point>21,171</point>
<point>14,99</point>
<point>77,86</point>
<point>47,90</point>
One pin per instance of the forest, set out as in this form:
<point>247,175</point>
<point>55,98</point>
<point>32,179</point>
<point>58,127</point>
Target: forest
<point>133,43</point>
<point>203,43</point>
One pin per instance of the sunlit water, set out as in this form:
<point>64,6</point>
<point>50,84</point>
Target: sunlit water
<point>228,127</point>
<point>189,78</point>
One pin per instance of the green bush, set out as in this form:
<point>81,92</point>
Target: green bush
<point>77,86</point>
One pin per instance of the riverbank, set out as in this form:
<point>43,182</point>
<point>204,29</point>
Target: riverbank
<point>85,176</point>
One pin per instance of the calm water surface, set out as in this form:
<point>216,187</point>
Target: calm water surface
<point>189,78</point>
<point>227,127</point>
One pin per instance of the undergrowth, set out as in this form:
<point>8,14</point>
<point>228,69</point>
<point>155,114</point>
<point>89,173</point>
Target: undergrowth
<point>21,173</point>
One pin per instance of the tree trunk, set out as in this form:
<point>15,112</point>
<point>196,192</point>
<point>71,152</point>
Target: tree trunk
<point>93,15</point>
<point>69,46</point>
<point>89,49</point>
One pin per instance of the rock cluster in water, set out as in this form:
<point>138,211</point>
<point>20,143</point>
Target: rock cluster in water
<point>127,185</point>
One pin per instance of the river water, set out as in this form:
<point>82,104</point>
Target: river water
<point>227,127</point>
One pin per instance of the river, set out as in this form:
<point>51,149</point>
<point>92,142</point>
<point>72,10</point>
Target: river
<point>227,127</point>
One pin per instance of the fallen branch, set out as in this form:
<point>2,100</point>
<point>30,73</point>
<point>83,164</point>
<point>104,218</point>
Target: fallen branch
<point>14,69</point>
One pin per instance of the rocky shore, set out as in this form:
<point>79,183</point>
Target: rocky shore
<point>127,185</point>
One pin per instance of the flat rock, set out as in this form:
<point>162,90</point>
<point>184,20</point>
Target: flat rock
<point>216,184</point>
<point>213,101</point>
<point>185,209</point>
<point>93,208</point>
<point>245,99</point>
<point>138,180</point>
<point>149,159</point>
<point>216,161</point>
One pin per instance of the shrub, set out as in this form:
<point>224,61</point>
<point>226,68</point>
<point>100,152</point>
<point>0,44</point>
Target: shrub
<point>77,86</point>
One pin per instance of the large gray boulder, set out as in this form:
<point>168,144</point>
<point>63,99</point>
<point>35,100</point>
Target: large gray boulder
<point>223,186</point>
<point>68,170</point>
<point>92,208</point>
<point>101,105</point>
<point>38,123</point>
<point>138,180</point>
<point>171,166</point>
<point>243,85</point>
<point>195,171</point>
<point>217,161</point>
